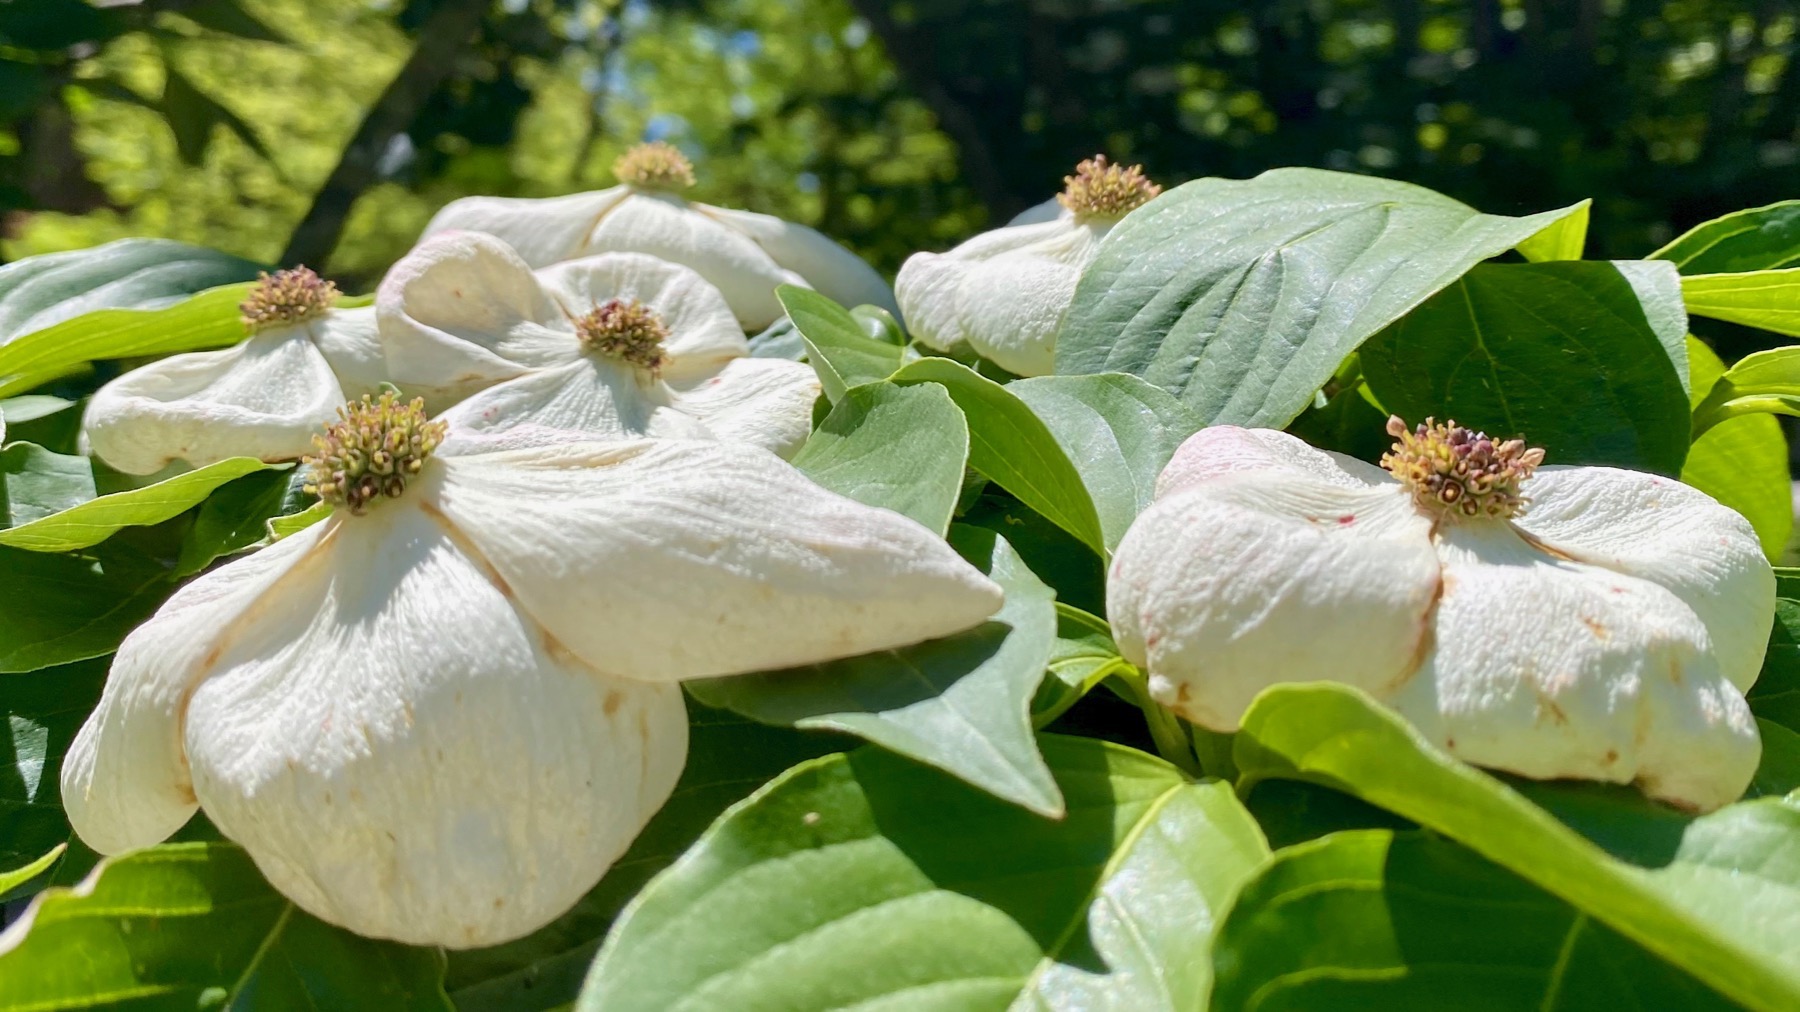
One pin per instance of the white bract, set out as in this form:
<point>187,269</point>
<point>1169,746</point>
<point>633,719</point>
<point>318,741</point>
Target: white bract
<point>1005,292</point>
<point>744,254</point>
<point>441,713</point>
<point>1583,622</point>
<point>264,398</point>
<point>617,344</point>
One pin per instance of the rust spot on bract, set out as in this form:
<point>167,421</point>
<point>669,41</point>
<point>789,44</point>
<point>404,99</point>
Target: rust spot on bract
<point>1612,756</point>
<point>1594,626</point>
<point>187,794</point>
<point>1547,706</point>
<point>499,901</point>
<point>1183,693</point>
<point>1449,742</point>
<point>612,704</point>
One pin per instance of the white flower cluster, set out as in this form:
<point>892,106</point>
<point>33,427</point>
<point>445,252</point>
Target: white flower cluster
<point>440,714</point>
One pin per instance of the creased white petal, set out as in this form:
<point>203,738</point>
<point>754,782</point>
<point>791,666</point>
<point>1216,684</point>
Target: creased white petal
<point>350,341</point>
<point>125,780</point>
<point>588,395</point>
<point>826,265</point>
<point>543,231</point>
<point>264,398</point>
<point>669,560</point>
<point>927,292</point>
<point>1550,668</point>
<point>1011,307</point>
<point>766,402</point>
<point>1226,449</point>
<point>1247,581</point>
<point>703,333</point>
<point>462,311</point>
<point>404,755</point>
<point>663,225</point>
<point>1668,533</point>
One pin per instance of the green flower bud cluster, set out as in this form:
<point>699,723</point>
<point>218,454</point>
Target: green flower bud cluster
<point>1458,471</point>
<point>627,330</point>
<point>370,451</point>
<point>657,165</point>
<point>1101,190</point>
<point>285,298</point>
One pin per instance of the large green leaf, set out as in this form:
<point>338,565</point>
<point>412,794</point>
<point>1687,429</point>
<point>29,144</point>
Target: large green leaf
<point>55,609</point>
<point>1762,382</point>
<point>1759,239</point>
<point>961,703</point>
<point>1014,448</point>
<point>868,881</point>
<point>1117,430</point>
<point>902,448</point>
<point>207,320</point>
<point>94,521</point>
<point>1560,353</point>
<point>36,483</point>
<point>1241,297</point>
<point>1722,907</point>
<point>839,348</point>
<point>17,877</point>
<point>43,710</point>
<point>728,757</point>
<point>1742,462</point>
<point>42,291</point>
<point>1766,299</point>
<point>1378,919</point>
<point>193,925</point>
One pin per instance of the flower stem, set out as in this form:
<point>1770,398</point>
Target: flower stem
<point>1166,730</point>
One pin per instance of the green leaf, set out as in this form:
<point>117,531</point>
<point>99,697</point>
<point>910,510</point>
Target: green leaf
<point>193,925</point>
<point>1560,353</point>
<point>1721,908</point>
<point>96,520</point>
<point>1759,239</point>
<point>867,881</point>
<point>1760,382</point>
<point>43,291</point>
<point>12,880</point>
<point>43,710</point>
<point>207,320</point>
<point>55,609</point>
<point>961,703</point>
<point>1742,462</point>
<point>1071,568</point>
<point>293,523</point>
<point>1776,694</point>
<point>1379,919</point>
<point>1083,656</point>
<point>901,448</point>
<point>35,483</point>
<point>236,517</point>
<point>1014,448</point>
<point>51,422</point>
<point>842,353</point>
<point>1778,774</point>
<point>1241,297</point>
<point>728,758</point>
<point>1766,299</point>
<point>1117,430</point>
<point>1563,240</point>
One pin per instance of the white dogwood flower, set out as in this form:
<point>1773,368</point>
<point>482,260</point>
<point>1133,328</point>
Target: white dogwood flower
<point>441,713</point>
<point>264,398</point>
<point>1581,622</point>
<point>1005,291</point>
<point>743,254</point>
<point>615,344</point>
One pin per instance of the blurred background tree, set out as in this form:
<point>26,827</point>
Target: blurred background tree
<point>329,130</point>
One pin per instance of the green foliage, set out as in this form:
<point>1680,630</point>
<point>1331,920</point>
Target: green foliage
<point>1508,348</point>
<point>885,879</point>
<point>901,448</point>
<point>1742,462</point>
<point>841,351</point>
<point>193,925</point>
<point>1185,290</point>
<point>1766,299</point>
<point>88,523</point>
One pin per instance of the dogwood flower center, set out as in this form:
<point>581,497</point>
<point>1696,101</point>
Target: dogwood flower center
<point>1458,471</point>
<point>371,451</point>
<point>657,165</point>
<point>1100,190</point>
<point>627,330</point>
<point>285,298</point>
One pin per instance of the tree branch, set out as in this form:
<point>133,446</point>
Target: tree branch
<point>447,30</point>
<point>912,57</point>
